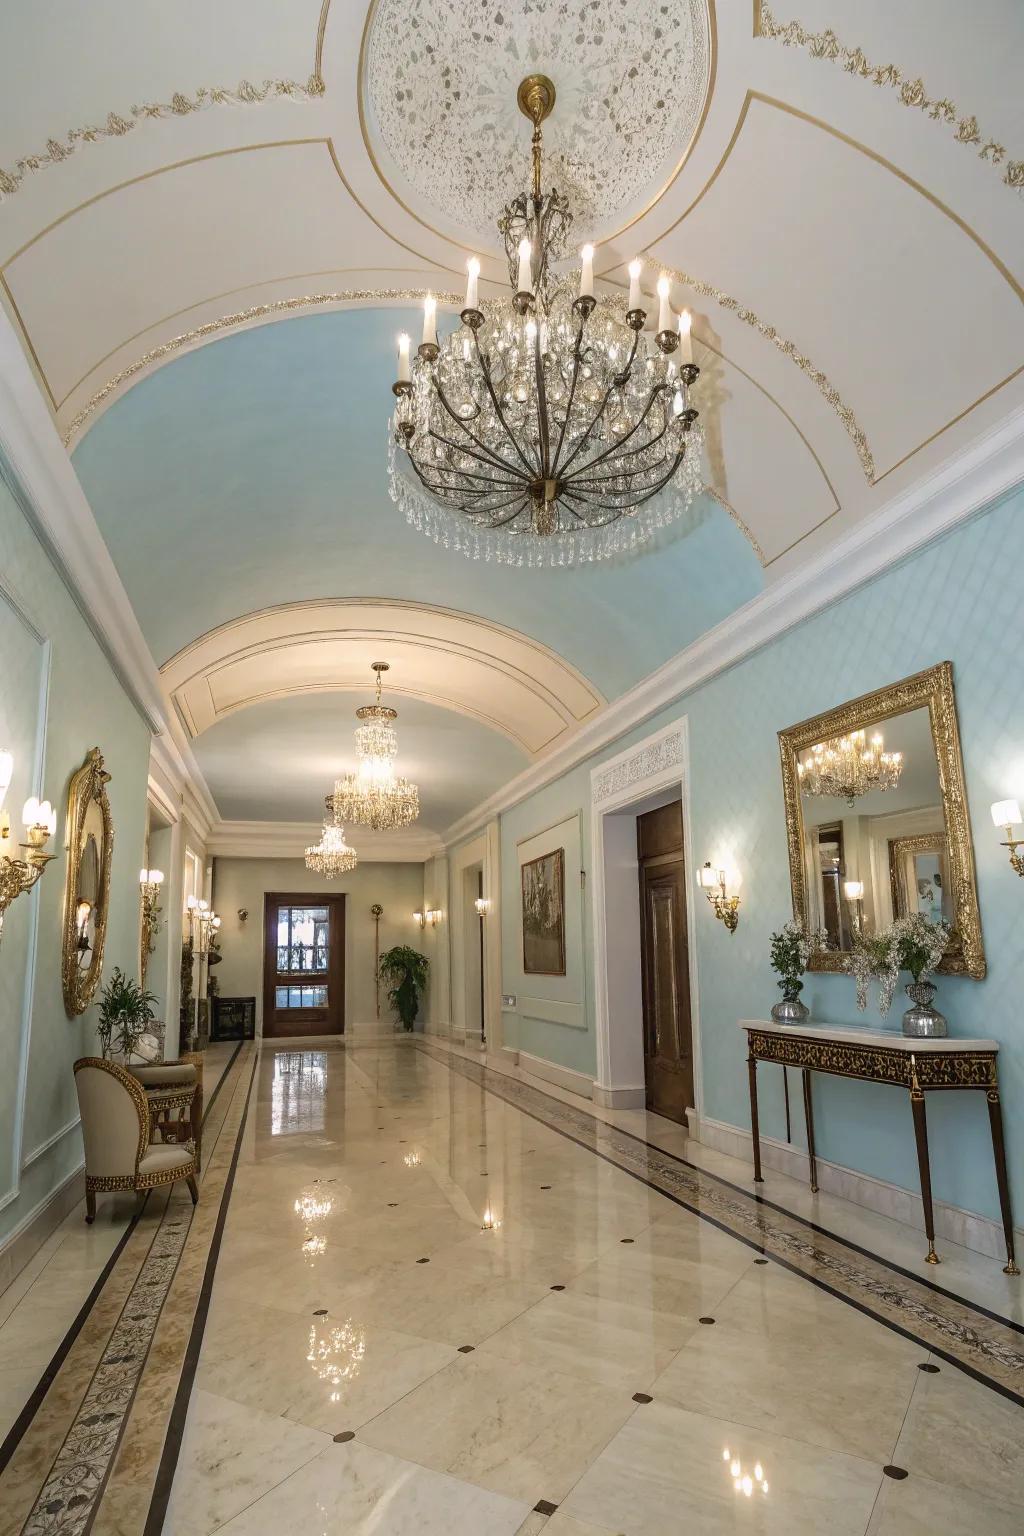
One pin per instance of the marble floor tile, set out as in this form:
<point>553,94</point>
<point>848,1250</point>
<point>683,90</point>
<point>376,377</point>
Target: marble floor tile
<point>561,1524</point>
<point>230,1456</point>
<point>515,1429</point>
<point>666,1472</point>
<point>916,1506</point>
<point>687,1287</point>
<point>611,1342</point>
<point>423,1299</point>
<point>356,1490</point>
<point>332,1373</point>
<point>959,1433</point>
<point>844,1396</point>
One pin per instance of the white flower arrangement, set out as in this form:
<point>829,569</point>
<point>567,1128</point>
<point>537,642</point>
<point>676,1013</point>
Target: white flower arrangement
<point>912,944</point>
<point>792,948</point>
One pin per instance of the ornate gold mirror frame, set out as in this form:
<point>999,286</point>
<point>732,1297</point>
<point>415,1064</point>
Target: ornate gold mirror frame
<point>87,803</point>
<point>932,689</point>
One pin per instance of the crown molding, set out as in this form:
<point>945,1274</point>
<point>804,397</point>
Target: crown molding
<point>290,839</point>
<point>959,489</point>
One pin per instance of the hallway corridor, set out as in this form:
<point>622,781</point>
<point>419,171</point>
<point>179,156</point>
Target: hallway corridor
<point>435,1300</point>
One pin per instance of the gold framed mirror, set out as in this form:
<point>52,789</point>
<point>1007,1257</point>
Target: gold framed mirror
<point>877,821</point>
<point>90,841</point>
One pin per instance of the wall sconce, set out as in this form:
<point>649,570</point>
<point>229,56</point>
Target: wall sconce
<point>421,918</point>
<point>853,890</point>
<point>203,923</point>
<point>150,881</point>
<point>1006,814</point>
<point>482,905</point>
<point>19,875</point>
<point>726,907</point>
<point>243,914</point>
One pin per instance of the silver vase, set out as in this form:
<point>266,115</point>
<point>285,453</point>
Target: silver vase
<point>922,1021</point>
<point>791,1010</point>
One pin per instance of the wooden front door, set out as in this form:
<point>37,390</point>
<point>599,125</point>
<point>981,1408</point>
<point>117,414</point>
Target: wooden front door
<point>304,965</point>
<point>668,1038</point>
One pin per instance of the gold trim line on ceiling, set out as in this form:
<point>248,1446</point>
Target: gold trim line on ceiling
<point>826,46</point>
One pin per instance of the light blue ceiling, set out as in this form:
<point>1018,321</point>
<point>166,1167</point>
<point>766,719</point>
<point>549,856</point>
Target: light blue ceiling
<point>275,760</point>
<point>252,471</point>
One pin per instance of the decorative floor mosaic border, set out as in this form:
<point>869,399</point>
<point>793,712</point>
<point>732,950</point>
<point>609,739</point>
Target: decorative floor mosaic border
<point>59,1472</point>
<point>978,1342</point>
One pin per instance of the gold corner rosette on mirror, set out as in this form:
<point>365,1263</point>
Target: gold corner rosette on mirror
<point>89,839</point>
<point>887,832</point>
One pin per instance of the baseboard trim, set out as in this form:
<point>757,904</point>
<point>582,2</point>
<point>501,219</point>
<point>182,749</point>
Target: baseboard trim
<point>38,1224</point>
<point>619,1098</point>
<point>966,1228</point>
<point>563,1077</point>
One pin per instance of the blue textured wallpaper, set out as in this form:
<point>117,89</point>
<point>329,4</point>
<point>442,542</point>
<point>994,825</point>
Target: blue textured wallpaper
<point>958,600</point>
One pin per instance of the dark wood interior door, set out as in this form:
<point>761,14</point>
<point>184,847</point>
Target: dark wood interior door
<point>304,965</point>
<point>668,1034</point>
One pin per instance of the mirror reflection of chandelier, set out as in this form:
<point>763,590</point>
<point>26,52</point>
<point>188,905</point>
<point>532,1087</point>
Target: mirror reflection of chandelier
<point>332,855</point>
<point>336,1352</point>
<point>849,766</point>
<point>375,796</point>
<point>548,429</point>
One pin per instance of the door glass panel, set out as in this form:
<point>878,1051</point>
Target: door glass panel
<point>301,997</point>
<point>302,941</point>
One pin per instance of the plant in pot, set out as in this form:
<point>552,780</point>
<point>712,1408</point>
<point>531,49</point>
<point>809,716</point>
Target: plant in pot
<point>912,944</point>
<point>404,971</point>
<point>126,1009</point>
<point>790,953</point>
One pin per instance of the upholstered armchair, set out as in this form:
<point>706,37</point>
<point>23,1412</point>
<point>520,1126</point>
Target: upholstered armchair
<point>174,1091</point>
<point>116,1126</point>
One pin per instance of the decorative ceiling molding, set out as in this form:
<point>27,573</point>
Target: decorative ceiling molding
<point>821,380</point>
<point>458,661</point>
<point>911,93</point>
<point>726,506</point>
<point>244,94</point>
<point>245,317</point>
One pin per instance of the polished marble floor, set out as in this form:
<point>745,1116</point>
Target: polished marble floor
<point>418,1299</point>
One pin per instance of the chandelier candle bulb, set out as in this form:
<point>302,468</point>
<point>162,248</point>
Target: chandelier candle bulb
<point>524,282</point>
<point>404,375</point>
<point>473,267</point>
<point>636,298</point>
<point>664,306</point>
<point>587,272</point>
<point>685,338</point>
<point>430,321</point>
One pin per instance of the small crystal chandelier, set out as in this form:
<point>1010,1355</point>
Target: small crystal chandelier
<point>332,855</point>
<point>375,796</point>
<point>849,766</point>
<point>549,429</point>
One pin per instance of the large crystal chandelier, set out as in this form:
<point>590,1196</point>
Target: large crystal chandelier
<point>549,429</point>
<point>849,766</point>
<point>374,795</point>
<point>332,855</point>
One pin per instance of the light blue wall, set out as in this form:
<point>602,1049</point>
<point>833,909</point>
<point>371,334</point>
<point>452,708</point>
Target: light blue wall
<point>60,697</point>
<point>957,600</point>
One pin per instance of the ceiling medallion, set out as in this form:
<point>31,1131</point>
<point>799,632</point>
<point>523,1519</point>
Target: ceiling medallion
<point>849,766</point>
<point>549,429</point>
<point>374,796</point>
<point>332,855</point>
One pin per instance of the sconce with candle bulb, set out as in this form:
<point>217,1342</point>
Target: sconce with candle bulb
<point>150,881</point>
<point>203,923</point>
<point>714,884</point>
<point>19,875</point>
<point>420,918</point>
<point>1006,814</point>
<point>482,904</point>
<point>853,890</point>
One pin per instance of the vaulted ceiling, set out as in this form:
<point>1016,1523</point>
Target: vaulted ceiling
<point>214,220</point>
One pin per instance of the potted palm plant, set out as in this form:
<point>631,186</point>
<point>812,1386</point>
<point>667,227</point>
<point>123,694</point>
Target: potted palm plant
<point>126,1009</point>
<point>404,971</point>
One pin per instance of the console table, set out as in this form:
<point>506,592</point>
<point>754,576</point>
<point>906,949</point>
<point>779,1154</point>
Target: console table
<point>878,1056</point>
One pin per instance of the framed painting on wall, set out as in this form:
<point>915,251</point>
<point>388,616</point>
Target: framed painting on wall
<point>543,886</point>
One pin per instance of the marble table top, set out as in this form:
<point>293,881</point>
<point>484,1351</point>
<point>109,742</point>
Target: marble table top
<point>848,1034</point>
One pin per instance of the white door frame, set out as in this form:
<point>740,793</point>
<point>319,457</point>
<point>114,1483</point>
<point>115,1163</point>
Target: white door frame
<point>660,762</point>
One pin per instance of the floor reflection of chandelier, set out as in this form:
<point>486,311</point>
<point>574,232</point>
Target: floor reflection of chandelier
<point>849,766</point>
<point>336,1352</point>
<point>375,796</point>
<point>548,429</point>
<point>332,855</point>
